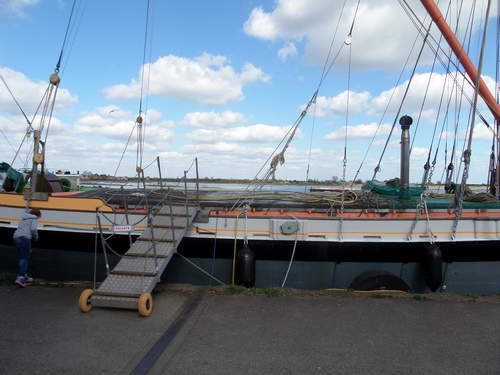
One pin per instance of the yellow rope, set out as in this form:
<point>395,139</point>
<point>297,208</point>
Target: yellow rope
<point>367,291</point>
<point>234,249</point>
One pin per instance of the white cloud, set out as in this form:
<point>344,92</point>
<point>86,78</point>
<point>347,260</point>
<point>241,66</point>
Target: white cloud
<point>287,50</point>
<point>419,153</point>
<point>415,95</point>
<point>375,44</point>
<point>261,25</point>
<point>359,131</point>
<point>213,119</point>
<point>336,105</point>
<point>208,79</point>
<point>28,93</point>
<point>482,132</point>
<point>16,125</point>
<point>115,123</point>
<point>230,149</point>
<point>394,143</point>
<point>259,133</point>
<point>16,7</point>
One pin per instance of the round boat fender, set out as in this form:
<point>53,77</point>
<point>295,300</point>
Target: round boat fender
<point>245,267</point>
<point>378,280</point>
<point>433,267</point>
<point>84,302</point>
<point>145,304</point>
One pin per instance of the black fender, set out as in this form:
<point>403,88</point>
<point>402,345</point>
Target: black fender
<point>245,267</point>
<point>433,267</point>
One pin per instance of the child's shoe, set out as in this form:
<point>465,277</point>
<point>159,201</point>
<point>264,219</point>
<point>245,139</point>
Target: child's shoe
<point>20,281</point>
<point>27,279</point>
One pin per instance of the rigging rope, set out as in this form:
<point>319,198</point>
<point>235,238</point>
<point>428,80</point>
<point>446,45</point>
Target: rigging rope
<point>418,23</point>
<point>279,158</point>
<point>377,168</point>
<point>497,95</point>
<point>58,65</point>
<point>450,167</point>
<point>427,165</point>
<point>348,42</point>
<point>73,32</point>
<point>427,87</point>
<point>365,156</point>
<point>125,149</point>
<point>325,72</point>
<point>467,153</point>
<point>310,145</point>
<point>139,120</point>
<point>15,101</point>
<point>322,77</point>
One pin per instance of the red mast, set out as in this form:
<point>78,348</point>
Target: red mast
<point>462,56</point>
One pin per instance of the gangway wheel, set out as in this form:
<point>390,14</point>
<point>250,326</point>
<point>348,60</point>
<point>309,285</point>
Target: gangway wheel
<point>84,300</point>
<point>145,304</point>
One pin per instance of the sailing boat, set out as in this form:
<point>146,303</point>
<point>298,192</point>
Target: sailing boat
<point>386,223</point>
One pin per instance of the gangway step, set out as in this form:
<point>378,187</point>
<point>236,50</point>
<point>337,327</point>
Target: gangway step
<point>127,284</point>
<point>138,265</point>
<point>169,227</point>
<point>176,221</point>
<point>147,255</point>
<point>145,248</point>
<point>133,273</point>
<point>162,234</point>
<point>177,211</point>
<point>149,239</point>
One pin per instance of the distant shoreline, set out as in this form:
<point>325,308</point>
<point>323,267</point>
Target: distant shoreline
<point>101,179</point>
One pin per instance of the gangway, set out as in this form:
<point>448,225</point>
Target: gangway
<point>130,283</point>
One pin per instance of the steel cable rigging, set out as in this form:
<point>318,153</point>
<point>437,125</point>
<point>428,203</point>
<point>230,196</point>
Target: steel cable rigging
<point>140,123</point>
<point>47,102</point>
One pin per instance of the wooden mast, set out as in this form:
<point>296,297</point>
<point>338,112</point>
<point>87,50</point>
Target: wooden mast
<point>462,56</point>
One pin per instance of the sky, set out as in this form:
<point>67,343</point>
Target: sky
<point>224,81</point>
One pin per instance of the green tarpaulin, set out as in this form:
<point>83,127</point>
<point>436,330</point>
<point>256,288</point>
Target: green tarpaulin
<point>409,199</point>
<point>14,181</point>
<point>392,191</point>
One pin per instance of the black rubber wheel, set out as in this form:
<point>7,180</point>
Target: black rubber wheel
<point>378,280</point>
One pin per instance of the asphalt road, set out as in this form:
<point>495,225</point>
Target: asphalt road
<point>43,333</point>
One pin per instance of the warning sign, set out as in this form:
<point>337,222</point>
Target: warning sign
<point>123,228</point>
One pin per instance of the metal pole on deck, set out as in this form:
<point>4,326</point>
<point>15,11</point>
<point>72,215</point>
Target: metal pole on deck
<point>186,195</point>
<point>197,181</point>
<point>159,171</point>
<point>37,159</point>
<point>150,219</point>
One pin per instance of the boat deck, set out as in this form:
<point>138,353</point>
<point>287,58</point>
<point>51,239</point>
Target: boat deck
<point>261,200</point>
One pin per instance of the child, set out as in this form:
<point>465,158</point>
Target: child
<point>26,230</point>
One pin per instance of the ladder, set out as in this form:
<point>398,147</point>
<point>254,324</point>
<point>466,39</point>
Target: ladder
<point>129,284</point>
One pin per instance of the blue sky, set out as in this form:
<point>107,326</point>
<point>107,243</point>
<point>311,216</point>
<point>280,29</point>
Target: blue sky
<point>226,80</point>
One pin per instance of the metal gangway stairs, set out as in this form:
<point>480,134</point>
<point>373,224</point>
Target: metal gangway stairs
<point>130,283</point>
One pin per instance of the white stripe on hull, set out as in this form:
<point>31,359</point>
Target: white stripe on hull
<point>327,229</point>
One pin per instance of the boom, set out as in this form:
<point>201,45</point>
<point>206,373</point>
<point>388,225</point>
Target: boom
<point>462,56</point>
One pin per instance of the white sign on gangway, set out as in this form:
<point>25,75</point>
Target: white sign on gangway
<point>123,228</point>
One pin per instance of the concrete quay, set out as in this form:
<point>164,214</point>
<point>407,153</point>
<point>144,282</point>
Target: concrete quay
<point>201,330</point>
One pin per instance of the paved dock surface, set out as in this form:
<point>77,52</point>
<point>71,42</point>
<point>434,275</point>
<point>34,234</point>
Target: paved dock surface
<point>42,332</point>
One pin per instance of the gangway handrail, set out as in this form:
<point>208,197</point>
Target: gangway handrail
<point>166,199</point>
